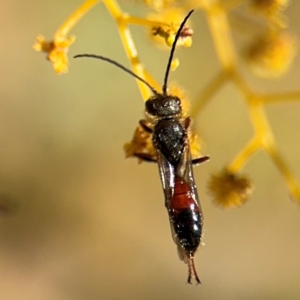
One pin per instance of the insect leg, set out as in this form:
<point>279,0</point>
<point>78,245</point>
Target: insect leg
<point>187,123</point>
<point>200,160</point>
<point>144,125</point>
<point>192,271</point>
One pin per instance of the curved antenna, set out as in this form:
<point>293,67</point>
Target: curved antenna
<point>164,88</point>
<point>119,66</point>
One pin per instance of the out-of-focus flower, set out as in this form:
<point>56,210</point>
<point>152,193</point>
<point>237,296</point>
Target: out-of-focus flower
<point>56,51</point>
<point>159,5</point>
<point>271,54</point>
<point>268,7</point>
<point>228,189</point>
<point>272,10</point>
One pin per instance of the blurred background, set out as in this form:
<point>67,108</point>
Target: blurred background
<point>78,221</point>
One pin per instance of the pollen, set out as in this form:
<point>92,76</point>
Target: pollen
<point>195,145</point>
<point>180,92</point>
<point>56,51</point>
<point>229,190</point>
<point>140,143</point>
<point>271,54</point>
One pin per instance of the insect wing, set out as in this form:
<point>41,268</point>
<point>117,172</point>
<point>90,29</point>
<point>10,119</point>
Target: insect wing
<point>184,210</point>
<point>167,176</point>
<point>185,171</point>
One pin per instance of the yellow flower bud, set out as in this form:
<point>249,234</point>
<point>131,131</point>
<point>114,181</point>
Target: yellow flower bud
<point>228,189</point>
<point>271,54</point>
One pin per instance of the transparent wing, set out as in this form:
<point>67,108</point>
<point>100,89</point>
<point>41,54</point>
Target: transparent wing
<point>184,170</point>
<point>167,176</point>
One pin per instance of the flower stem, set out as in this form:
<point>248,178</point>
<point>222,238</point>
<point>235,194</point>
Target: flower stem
<point>74,18</point>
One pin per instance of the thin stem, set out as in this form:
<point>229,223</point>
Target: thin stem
<point>130,20</point>
<point>219,26</point>
<point>242,85</point>
<point>260,122</point>
<point>288,176</point>
<point>242,158</point>
<point>74,18</point>
<point>130,49</point>
<point>207,93</point>
<point>280,97</point>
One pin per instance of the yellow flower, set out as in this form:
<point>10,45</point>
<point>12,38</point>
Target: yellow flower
<point>56,51</point>
<point>268,7</point>
<point>171,20</point>
<point>140,143</point>
<point>195,146</point>
<point>168,32</point>
<point>159,5</point>
<point>228,189</point>
<point>271,54</point>
<point>272,10</point>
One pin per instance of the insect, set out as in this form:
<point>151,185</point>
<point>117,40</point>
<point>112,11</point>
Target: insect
<point>170,139</point>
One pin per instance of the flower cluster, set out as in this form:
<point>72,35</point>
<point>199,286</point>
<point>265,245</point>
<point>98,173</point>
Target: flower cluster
<point>269,53</point>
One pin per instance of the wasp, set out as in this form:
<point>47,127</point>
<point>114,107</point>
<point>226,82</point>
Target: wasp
<point>171,143</point>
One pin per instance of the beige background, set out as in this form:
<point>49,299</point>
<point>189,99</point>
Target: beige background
<point>80,222</point>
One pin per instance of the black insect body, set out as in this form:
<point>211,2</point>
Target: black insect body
<point>170,139</point>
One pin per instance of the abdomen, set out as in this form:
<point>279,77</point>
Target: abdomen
<point>185,216</point>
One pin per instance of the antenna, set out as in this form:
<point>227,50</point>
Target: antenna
<point>164,89</point>
<point>119,66</point>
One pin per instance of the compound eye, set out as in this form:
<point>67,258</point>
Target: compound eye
<point>151,107</point>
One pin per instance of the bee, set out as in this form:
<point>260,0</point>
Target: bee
<point>169,130</point>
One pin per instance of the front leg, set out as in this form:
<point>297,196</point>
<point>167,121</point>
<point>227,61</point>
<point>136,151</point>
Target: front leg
<point>145,126</point>
<point>199,160</point>
<point>146,157</point>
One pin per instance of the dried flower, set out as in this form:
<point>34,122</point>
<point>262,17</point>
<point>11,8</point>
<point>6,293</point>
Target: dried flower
<point>56,50</point>
<point>171,20</point>
<point>228,189</point>
<point>168,32</point>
